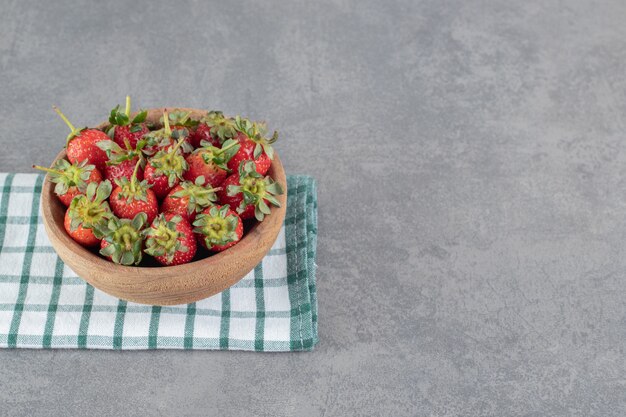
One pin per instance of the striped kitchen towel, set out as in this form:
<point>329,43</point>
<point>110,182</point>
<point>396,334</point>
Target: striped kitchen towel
<point>43,304</point>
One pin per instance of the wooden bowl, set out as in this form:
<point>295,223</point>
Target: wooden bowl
<point>169,285</point>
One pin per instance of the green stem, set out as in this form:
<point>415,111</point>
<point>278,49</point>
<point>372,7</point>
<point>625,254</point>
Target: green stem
<point>127,110</point>
<point>213,190</point>
<point>133,178</point>
<point>226,148</point>
<point>94,211</point>
<point>164,237</point>
<point>166,123</point>
<point>65,119</point>
<point>127,242</point>
<point>178,145</point>
<point>53,171</point>
<point>184,119</point>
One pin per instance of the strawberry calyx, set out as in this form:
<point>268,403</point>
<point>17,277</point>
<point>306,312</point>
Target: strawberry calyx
<point>256,132</point>
<point>170,163</point>
<point>156,140</point>
<point>124,239</point>
<point>122,118</point>
<point>117,154</point>
<point>179,118</point>
<point>74,131</point>
<point>66,175</point>
<point>133,189</point>
<point>162,238</point>
<point>221,127</point>
<point>256,190</point>
<point>91,210</point>
<point>200,197</point>
<point>162,138</point>
<point>219,156</point>
<point>217,227</point>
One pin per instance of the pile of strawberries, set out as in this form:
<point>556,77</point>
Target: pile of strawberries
<point>166,189</point>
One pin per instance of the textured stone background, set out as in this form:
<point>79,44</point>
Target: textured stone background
<point>472,171</point>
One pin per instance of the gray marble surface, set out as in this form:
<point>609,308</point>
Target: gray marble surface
<point>472,186</point>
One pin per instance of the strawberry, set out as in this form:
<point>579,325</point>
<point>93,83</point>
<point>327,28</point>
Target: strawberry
<point>165,170</point>
<point>166,137</point>
<point>181,124</point>
<point>81,144</point>
<point>218,228</point>
<point>121,161</point>
<point>157,140</point>
<point>170,240</point>
<point>210,162</point>
<point>250,192</point>
<point>87,213</point>
<point>188,199</point>
<point>131,197</point>
<point>71,179</point>
<point>123,129</point>
<point>123,169</point>
<point>254,145</point>
<point>213,128</point>
<point>80,234</point>
<point>122,240</point>
<point>202,134</point>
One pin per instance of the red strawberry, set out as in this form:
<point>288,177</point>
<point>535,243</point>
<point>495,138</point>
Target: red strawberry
<point>170,240</point>
<point>123,169</point>
<point>124,130</point>
<point>218,228</point>
<point>156,141</point>
<point>88,213</point>
<point>202,133</point>
<point>132,134</point>
<point>71,179</point>
<point>254,145</point>
<point>123,240</point>
<point>122,161</point>
<point>182,125</point>
<point>81,144</point>
<point>166,137</point>
<point>182,132</point>
<point>188,199</point>
<point>80,234</point>
<point>159,183</point>
<point>165,170</point>
<point>213,128</point>
<point>132,197</point>
<point>210,162</point>
<point>246,153</point>
<point>250,192</point>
